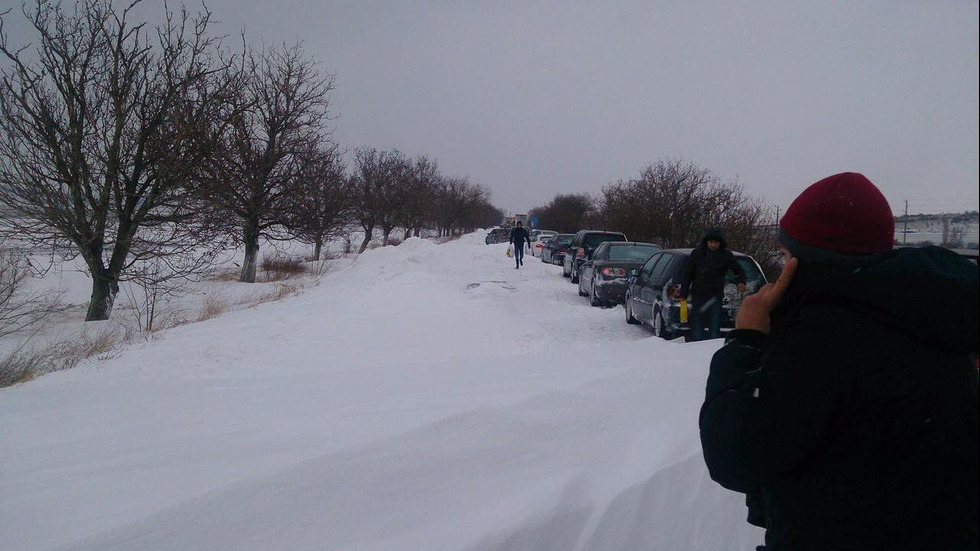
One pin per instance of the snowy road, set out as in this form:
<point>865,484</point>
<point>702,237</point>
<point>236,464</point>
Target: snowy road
<point>423,397</point>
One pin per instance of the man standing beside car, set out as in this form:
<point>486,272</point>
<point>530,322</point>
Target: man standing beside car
<point>519,236</point>
<point>704,280</point>
<point>845,403</point>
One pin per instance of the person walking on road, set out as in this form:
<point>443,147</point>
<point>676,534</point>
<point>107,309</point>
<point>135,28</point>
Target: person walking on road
<point>518,236</point>
<point>704,280</point>
<point>845,403</point>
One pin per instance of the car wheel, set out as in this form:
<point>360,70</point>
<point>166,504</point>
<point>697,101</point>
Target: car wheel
<point>594,299</point>
<point>659,327</point>
<point>581,293</point>
<point>575,277</point>
<point>630,319</point>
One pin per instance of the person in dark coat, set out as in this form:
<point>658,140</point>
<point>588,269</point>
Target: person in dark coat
<point>845,403</point>
<point>704,280</point>
<point>518,236</point>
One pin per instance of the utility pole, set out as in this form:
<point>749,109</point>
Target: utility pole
<point>905,228</point>
<point>777,215</point>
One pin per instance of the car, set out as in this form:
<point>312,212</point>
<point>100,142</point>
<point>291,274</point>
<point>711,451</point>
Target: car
<point>650,296</point>
<point>538,239</point>
<point>581,247</point>
<point>604,278</point>
<point>553,251</point>
<point>498,235</point>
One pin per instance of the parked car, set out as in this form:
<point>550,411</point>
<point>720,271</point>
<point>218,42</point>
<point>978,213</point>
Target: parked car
<point>650,295</point>
<point>581,247</point>
<point>498,235</point>
<point>538,239</point>
<point>604,277</point>
<point>553,251</point>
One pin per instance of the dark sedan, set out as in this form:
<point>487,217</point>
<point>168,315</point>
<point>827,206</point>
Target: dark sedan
<point>498,235</point>
<point>650,296</point>
<point>604,277</point>
<point>581,247</point>
<point>554,249</point>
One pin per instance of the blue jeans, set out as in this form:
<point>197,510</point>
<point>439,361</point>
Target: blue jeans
<point>519,254</point>
<point>708,313</point>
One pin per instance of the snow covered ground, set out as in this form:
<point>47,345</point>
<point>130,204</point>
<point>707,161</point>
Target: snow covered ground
<point>422,397</point>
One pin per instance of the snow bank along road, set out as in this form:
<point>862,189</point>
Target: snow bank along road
<point>424,397</point>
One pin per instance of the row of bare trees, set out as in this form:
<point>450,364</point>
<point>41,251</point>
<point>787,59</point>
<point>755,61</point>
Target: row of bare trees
<point>672,203</point>
<point>147,150</point>
<point>388,190</point>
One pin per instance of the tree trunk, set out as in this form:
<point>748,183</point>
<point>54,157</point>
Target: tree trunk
<point>418,232</point>
<point>105,287</point>
<point>408,233</point>
<point>385,236</point>
<point>251,252</point>
<point>367,239</point>
<point>317,247</point>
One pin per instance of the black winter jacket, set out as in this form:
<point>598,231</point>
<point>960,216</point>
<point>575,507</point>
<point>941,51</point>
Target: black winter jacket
<point>518,236</point>
<point>704,272</point>
<point>854,425</point>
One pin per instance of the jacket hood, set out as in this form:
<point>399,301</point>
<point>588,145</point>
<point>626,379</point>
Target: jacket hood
<point>714,233</point>
<point>930,294</point>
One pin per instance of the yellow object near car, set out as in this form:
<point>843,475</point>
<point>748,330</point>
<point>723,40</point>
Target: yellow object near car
<point>683,310</point>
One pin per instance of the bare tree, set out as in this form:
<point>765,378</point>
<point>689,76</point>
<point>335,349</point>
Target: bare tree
<point>671,203</point>
<point>400,189</point>
<point>283,110</point>
<point>102,130</point>
<point>566,213</point>
<point>373,189</point>
<point>461,206</point>
<point>674,202</point>
<point>416,199</point>
<point>20,307</point>
<point>450,205</point>
<point>321,207</point>
<point>151,283</point>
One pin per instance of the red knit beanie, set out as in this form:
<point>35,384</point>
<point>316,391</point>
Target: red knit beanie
<point>841,214</point>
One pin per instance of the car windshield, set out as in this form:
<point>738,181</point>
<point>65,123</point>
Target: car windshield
<point>752,273</point>
<point>593,240</point>
<point>563,241</point>
<point>632,252</point>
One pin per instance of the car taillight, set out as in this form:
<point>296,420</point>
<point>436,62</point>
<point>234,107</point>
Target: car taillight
<point>539,246</point>
<point>580,253</point>
<point>614,272</point>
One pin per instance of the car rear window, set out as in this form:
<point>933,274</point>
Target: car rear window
<point>564,241</point>
<point>632,252</point>
<point>593,240</point>
<point>752,272</point>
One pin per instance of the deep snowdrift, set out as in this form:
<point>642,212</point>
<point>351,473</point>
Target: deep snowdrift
<point>424,397</point>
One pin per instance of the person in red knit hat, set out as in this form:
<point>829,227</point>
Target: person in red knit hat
<point>845,404</point>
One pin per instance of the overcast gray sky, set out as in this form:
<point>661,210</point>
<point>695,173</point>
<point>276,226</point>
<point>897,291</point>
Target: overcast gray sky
<point>534,98</point>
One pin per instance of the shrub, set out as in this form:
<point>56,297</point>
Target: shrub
<point>281,291</point>
<point>212,307</point>
<point>22,364</point>
<point>281,267</point>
